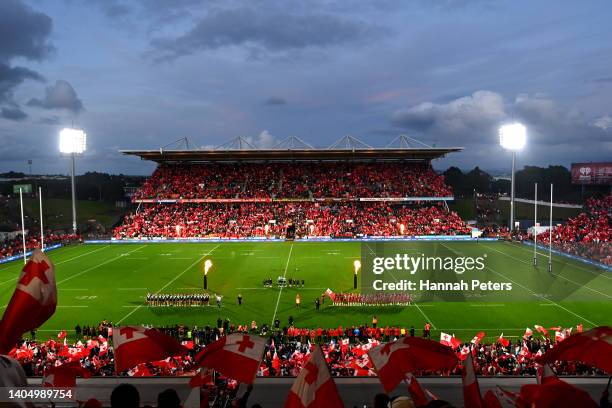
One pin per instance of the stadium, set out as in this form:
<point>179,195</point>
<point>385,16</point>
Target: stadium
<point>454,249</point>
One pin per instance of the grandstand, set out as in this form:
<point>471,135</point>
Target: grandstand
<point>348,190</point>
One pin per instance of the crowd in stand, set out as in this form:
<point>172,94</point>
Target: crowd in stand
<point>14,246</point>
<point>290,180</point>
<point>587,235</point>
<point>271,220</point>
<point>345,350</point>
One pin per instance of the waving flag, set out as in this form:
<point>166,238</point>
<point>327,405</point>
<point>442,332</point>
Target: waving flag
<point>394,360</point>
<point>504,342</point>
<point>236,356</point>
<point>593,347</point>
<point>419,395</point>
<point>449,340</point>
<point>471,390</point>
<point>556,394</point>
<point>65,375</point>
<point>528,333</point>
<point>545,374</point>
<point>32,303</point>
<point>135,345</point>
<point>314,387</point>
<point>479,336</point>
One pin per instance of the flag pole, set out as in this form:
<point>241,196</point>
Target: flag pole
<point>22,226</point>
<point>42,231</point>
<point>535,227</point>
<point>550,231</point>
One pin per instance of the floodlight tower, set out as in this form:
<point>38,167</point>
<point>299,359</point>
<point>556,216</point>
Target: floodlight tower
<point>73,142</point>
<point>512,137</point>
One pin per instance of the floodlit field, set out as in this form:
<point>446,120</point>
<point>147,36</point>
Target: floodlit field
<point>98,282</point>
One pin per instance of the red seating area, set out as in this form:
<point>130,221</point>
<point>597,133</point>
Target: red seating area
<point>11,247</point>
<point>345,219</point>
<point>291,180</point>
<point>589,234</point>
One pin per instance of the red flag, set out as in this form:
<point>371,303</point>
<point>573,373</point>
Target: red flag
<point>134,345</point>
<point>276,364</point>
<point>62,335</point>
<point>417,393</point>
<point>479,336</point>
<point>500,398</point>
<point>471,390</point>
<point>314,387</point>
<point>559,336</point>
<point>504,342</point>
<point>528,333</point>
<point>64,376</point>
<point>32,303</point>
<point>450,341</point>
<point>394,360</point>
<point>203,377</point>
<point>545,374</point>
<point>579,328</point>
<point>556,393</point>
<point>541,330</point>
<point>236,356</point>
<point>593,346</point>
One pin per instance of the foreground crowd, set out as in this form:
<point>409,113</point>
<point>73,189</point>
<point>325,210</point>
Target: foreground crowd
<point>14,246</point>
<point>286,351</point>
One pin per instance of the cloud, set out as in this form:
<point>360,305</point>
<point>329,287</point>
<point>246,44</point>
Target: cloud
<point>23,34</point>
<point>270,31</point>
<point>263,141</point>
<point>15,114</point>
<point>59,96</point>
<point>275,101</point>
<point>473,121</point>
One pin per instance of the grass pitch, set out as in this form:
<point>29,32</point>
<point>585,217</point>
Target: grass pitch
<point>98,282</point>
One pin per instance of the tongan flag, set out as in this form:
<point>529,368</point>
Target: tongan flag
<point>33,301</point>
<point>503,341</point>
<point>65,376</point>
<point>471,390</point>
<point>314,387</point>
<point>479,336</point>
<point>135,345</point>
<point>236,356</point>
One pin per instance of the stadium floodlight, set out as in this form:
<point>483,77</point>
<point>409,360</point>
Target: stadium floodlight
<point>356,267</point>
<point>512,137</point>
<point>73,142</point>
<point>207,265</point>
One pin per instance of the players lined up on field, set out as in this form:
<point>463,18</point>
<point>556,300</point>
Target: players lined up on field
<point>375,299</point>
<point>282,282</point>
<point>178,299</point>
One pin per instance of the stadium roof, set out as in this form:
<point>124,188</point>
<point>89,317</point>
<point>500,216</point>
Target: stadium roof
<point>402,148</point>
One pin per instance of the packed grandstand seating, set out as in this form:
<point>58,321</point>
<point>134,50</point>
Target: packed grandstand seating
<point>14,246</point>
<point>290,180</point>
<point>345,348</point>
<point>588,235</point>
<point>341,219</point>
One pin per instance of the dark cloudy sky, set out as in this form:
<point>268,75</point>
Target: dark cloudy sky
<point>142,73</point>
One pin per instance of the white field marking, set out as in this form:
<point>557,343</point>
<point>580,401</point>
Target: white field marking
<point>281,289</point>
<point>542,297</point>
<point>137,259</point>
<point>171,281</point>
<point>66,289</point>
<point>427,319</point>
<point>422,305</point>
<point>130,306</point>
<point>576,263</point>
<point>533,293</point>
<point>557,276</point>
<point>97,266</point>
<point>132,288</point>
<point>546,304</point>
<point>61,262</point>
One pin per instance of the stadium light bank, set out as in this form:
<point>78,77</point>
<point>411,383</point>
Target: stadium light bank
<point>72,142</point>
<point>512,137</point>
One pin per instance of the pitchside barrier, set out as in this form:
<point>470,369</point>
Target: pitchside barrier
<point>310,239</point>
<point>20,256</point>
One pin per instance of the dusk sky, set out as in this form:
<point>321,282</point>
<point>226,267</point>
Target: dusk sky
<point>140,74</point>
